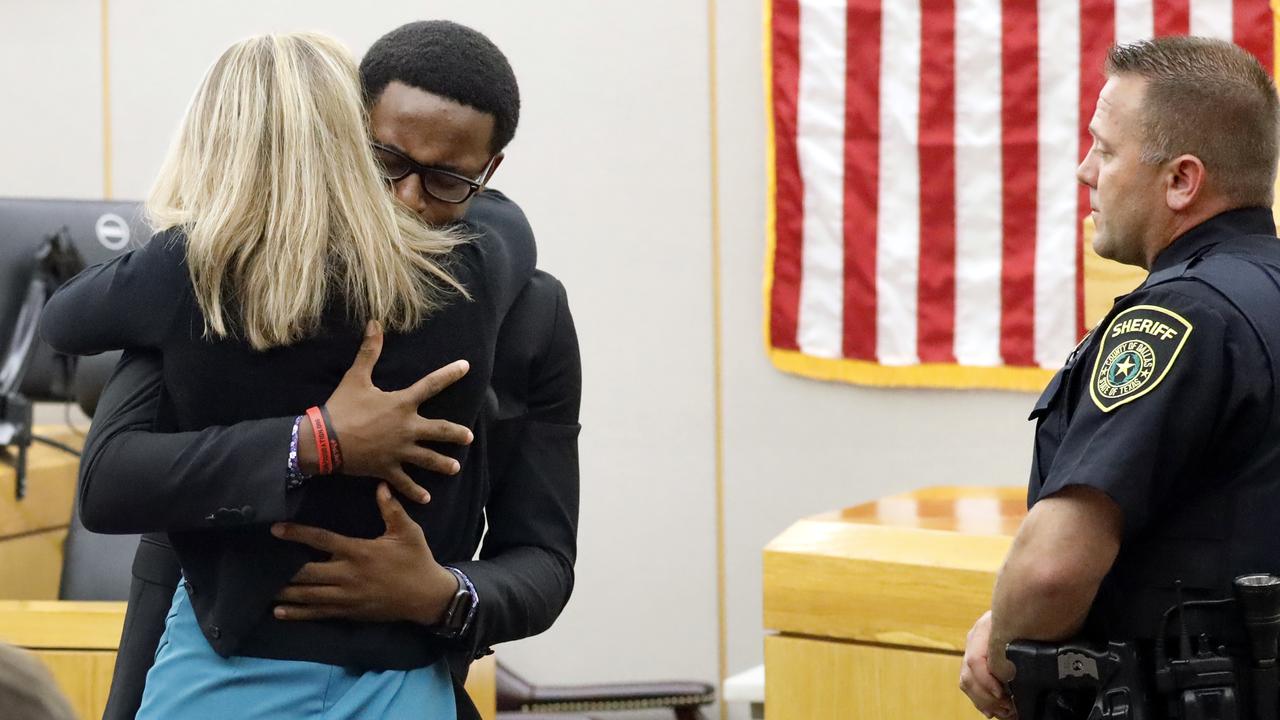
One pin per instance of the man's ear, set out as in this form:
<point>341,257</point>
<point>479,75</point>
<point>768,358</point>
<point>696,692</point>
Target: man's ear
<point>1185,181</point>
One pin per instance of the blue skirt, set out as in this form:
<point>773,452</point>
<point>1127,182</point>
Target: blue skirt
<point>190,680</point>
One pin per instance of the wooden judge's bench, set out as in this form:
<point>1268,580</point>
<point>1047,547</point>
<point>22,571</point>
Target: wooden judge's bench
<point>77,641</point>
<point>871,605</point>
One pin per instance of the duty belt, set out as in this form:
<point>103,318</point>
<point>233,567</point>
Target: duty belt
<point>1114,680</point>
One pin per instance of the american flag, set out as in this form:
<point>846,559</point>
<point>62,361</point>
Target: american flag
<point>925,222</point>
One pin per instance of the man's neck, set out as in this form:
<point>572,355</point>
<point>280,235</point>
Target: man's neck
<point>1183,222</point>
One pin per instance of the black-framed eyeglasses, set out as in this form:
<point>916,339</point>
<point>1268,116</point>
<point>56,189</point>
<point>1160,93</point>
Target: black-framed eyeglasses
<point>443,185</point>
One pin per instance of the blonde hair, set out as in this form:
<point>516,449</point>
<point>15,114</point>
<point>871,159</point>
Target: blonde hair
<point>273,181</point>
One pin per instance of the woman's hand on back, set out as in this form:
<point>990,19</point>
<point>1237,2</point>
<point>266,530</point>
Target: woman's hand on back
<point>380,431</point>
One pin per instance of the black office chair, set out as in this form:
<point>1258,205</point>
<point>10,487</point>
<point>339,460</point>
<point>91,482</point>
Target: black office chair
<point>517,697</point>
<point>95,567</point>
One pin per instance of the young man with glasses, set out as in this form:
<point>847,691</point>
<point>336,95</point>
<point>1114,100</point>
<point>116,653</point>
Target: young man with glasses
<point>443,105</point>
<point>447,186</point>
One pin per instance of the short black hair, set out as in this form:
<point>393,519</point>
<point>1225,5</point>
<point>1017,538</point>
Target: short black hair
<point>449,60</point>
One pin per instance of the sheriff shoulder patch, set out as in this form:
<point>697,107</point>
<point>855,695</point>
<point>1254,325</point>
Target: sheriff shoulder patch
<point>1135,352</point>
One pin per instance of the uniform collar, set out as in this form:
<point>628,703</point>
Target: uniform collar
<point>1232,223</point>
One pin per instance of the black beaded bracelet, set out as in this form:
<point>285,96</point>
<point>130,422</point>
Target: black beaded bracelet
<point>335,448</point>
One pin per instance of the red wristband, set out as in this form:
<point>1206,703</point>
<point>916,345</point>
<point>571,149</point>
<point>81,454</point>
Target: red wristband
<point>324,452</point>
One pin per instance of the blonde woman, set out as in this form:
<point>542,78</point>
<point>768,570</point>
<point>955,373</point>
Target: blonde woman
<point>279,245</point>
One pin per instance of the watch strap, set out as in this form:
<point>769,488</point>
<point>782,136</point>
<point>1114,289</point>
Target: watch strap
<point>462,608</point>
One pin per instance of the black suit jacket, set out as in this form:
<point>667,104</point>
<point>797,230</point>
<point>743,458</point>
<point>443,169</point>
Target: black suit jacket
<point>527,442</point>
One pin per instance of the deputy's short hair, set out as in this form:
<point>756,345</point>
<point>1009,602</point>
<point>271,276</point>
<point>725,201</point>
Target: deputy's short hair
<point>1211,99</point>
<point>449,60</point>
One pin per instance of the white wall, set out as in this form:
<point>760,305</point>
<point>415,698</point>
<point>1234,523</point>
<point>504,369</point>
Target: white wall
<point>612,163</point>
<point>51,95</point>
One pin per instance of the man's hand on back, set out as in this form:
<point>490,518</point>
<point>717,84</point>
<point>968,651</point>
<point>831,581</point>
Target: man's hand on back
<point>380,431</point>
<point>394,576</point>
<point>391,577</point>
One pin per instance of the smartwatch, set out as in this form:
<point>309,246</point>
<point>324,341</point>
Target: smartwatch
<point>457,615</point>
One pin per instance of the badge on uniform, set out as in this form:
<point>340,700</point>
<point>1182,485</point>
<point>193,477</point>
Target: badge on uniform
<point>1136,351</point>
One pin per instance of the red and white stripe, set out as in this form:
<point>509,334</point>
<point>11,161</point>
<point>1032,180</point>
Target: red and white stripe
<point>820,119</point>
<point>1057,242</point>
<point>979,212</point>
<point>897,228</point>
<point>927,208</point>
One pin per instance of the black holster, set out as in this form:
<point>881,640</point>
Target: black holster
<point>1078,681</point>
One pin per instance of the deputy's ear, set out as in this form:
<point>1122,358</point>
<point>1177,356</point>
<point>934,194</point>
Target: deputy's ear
<point>1185,181</point>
